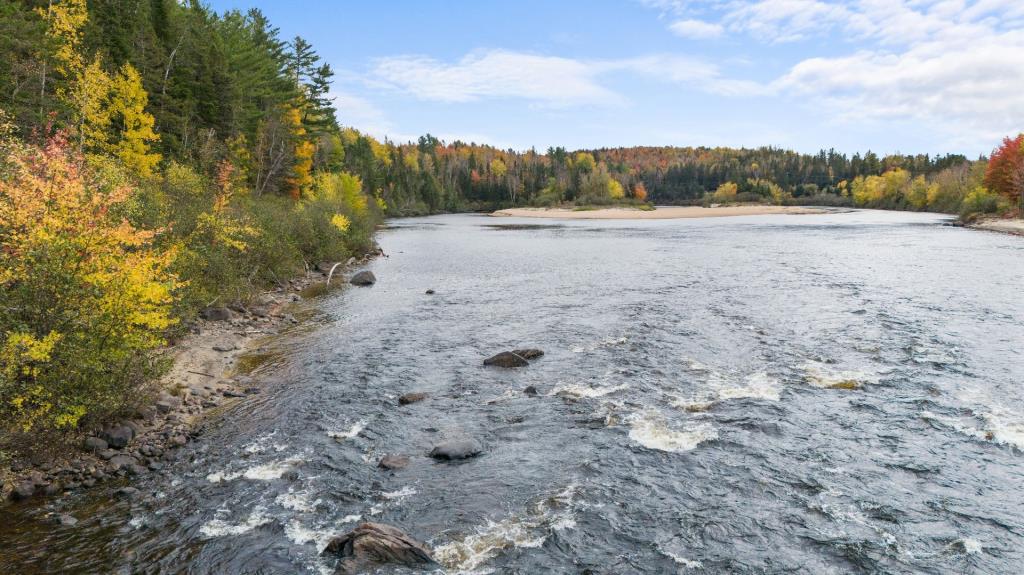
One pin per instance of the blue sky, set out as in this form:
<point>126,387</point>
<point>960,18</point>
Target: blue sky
<point>913,76</point>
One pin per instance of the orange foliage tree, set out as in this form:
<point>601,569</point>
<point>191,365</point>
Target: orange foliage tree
<point>1005,173</point>
<point>640,191</point>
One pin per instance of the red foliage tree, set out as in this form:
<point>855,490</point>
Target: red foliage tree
<point>1005,173</point>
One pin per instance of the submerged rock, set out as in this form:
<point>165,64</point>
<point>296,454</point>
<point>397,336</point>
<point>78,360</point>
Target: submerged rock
<point>528,353</point>
<point>412,397</point>
<point>63,519</point>
<point>506,359</point>
<point>393,462</point>
<point>462,448</point>
<point>363,278</point>
<point>530,390</point>
<point>126,492</point>
<point>371,545</point>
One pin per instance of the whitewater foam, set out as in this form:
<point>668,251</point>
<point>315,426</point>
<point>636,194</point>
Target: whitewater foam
<point>721,387</point>
<point>219,527</point>
<point>578,391</point>
<point>262,472</point>
<point>818,375</point>
<point>402,493</point>
<point>649,428</point>
<point>353,431</point>
<point>296,501</point>
<point>529,530</point>
<point>264,443</point>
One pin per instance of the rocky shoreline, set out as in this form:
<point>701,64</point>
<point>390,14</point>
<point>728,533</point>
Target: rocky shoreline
<point>203,379</point>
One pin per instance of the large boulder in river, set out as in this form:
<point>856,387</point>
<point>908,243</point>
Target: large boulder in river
<point>460,448</point>
<point>412,397</point>
<point>507,359</point>
<point>363,278</point>
<point>530,353</point>
<point>393,462</point>
<point>372,545</point>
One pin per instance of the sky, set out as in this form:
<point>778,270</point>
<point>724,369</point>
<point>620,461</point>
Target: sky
<point>910,76</point>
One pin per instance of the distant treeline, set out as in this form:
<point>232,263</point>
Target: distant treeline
<point>227,88</point>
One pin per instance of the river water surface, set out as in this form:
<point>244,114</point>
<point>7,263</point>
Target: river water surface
<point>781,394</point>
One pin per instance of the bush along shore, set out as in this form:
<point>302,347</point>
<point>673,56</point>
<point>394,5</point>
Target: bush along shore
<point>146,182</point>
<point>209,372</point>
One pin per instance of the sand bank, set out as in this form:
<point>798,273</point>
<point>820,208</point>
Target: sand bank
<point>661,213</point>
<point>1011,226</point>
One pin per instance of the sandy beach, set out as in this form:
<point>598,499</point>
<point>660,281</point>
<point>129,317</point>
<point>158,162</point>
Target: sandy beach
<point>661,213</point>
<point>1014,226</point>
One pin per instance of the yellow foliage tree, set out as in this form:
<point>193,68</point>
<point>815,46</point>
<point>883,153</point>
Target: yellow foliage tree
<point>498,168</point>
<point>615,190</point>
<point>726,192</point>
<point>584,162</point>
<point>110,116</point>
<point>84,293</point>
<point>65,22</point>
<point>919,191</point>
<point>300,175</point>
<point>133,126</point>
<point>89,101</point>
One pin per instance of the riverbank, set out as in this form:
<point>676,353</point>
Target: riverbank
<point>209,372</point>
<point>660,213</point>
<point>1006,226</point>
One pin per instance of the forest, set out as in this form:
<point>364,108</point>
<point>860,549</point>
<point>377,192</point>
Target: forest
<point>157,157</point>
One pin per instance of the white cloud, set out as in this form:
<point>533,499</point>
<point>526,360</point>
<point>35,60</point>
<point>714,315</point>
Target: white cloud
<point>954,67</point>
<point>496,74</point>
<point>970,88</point>
<point>551,81</point>
<point>697,29</point>
<point>363,115</point>
<point>784,20</point>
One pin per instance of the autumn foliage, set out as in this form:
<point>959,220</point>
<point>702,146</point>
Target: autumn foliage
<point>1005,173</point>
<point>85,296</point>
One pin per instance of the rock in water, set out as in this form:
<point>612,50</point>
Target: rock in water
<point>528,353</point>
<point>463,448</point>
<point>412,398</point>
<point>371,545</point>
<point>363,278</point>
<point>393,462</point>
<point>506,359</point>
<point>430,292</point>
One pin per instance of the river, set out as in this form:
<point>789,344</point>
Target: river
<point>767,394</point>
